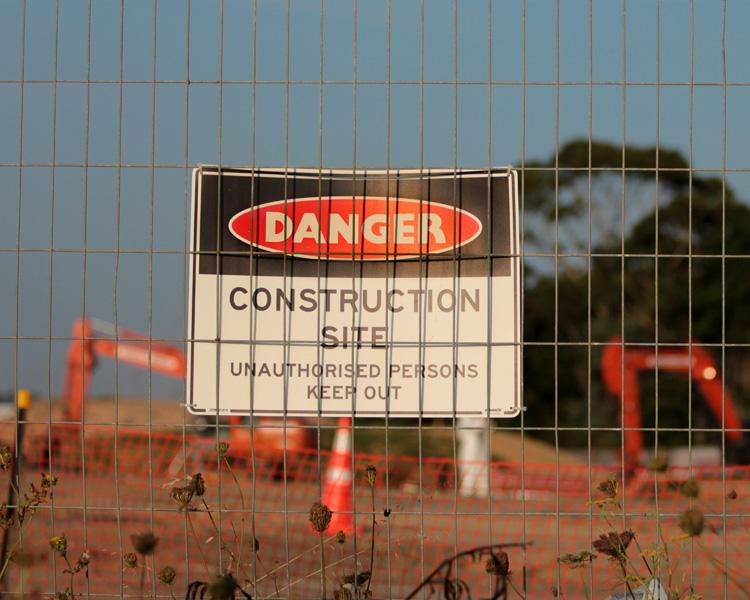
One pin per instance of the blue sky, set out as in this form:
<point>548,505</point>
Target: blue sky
<point>153,202</point>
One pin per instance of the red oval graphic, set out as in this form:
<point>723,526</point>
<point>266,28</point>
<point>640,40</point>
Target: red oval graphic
<point>363,228</point>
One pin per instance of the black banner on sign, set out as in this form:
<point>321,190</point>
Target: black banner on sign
<point>226,193</point>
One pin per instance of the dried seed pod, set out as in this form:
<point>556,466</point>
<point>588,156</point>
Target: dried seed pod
<point>340,537</point>
<point>614,544</point>
<point>498,564</point>
<point>371,474</point>
<point>130,560</point>
<point>690,489</point>
<point>223,449</point>
<point>577,560</point>
<point>6,458</point>
<point>692,521</point>
<point>59,544</point>
<point>48,481</point>
<point>732,495</point>
<point>659,463</point>
<point>182,495</point>
<point>320,517</point>
<point>84,559</point>
<point>222,587</point>
<point>343,593</point>
<point>198,484</point>
<point>144,543</point>
<point>167,575</point>
<point>6,519</point>
<point>608,487</point>
<point>361,579</point>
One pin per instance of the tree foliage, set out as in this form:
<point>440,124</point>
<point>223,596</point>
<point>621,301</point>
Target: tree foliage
<point>677,274</point>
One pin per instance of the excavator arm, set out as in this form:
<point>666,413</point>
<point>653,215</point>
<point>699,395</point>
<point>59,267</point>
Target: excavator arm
<point>92,339</point>
<point>621,366</point>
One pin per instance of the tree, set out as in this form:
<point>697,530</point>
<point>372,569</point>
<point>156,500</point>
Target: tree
<point>672,256</point>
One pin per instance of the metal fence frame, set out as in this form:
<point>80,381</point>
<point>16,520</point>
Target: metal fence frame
<point>493,12</point>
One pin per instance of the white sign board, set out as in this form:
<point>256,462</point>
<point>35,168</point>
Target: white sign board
<point>365,293</point>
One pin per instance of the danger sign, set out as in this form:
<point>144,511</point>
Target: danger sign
<point>366,293</point>
<point>363,228</point>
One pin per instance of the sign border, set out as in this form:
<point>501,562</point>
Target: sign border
<point>516,265</point>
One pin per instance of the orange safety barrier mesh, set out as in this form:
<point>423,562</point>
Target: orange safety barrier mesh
<point>104,496</point>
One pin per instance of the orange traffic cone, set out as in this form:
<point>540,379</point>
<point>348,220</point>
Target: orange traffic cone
<point>337,492</point>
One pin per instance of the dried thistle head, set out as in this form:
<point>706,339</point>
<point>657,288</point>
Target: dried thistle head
<point>59,544</point>
<point>144,543</point>
<point>371,474</point>
<point>362,578</point>
<point>614,544</point>
<point>659,463</point>
<point>198,484</point>
<point>222,587</point>
<point>222,449</point>
<point>732,495</point>
<point>343,593</point>
<point>6,458</point>
<point>48,481</point>
<point>690,488</point>
<point>608,487</point>
<point>498,564</point>
<point>66,594</point>
<point>167,575</point>
<point>182,496</point>
<point>130,560</point>
<point>320,517</point>
<point>577,559</point>
<point>692,521</point>
<point>340,537</point>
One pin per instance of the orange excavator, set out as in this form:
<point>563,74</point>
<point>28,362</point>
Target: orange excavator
<point>621,367</point>
<point>92,339</point>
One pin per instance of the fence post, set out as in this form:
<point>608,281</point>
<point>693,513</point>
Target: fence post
<point>24,401</point>
<point>472,456</point>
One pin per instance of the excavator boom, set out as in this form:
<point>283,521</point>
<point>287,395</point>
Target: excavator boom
<point>92,339</point>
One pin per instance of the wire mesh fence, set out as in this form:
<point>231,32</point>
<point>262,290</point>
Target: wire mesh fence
<point>625,124</point>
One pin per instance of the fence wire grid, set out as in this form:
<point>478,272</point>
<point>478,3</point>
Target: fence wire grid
<point>627,124</point>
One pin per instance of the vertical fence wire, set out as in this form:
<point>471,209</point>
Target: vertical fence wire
<point>722,360</point>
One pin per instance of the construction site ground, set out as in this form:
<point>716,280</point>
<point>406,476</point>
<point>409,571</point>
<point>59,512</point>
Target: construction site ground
<point>113,485</point>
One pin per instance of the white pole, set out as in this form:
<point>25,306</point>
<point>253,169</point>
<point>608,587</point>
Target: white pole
<point>473,456</point>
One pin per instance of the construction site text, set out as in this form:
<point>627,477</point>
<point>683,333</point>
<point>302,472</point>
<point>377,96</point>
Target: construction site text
<point>342,300</point>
